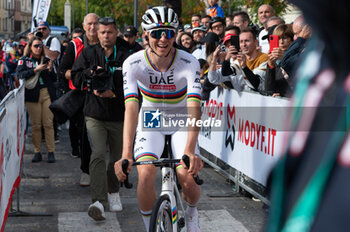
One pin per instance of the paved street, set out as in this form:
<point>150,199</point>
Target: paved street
<point>54,189</point>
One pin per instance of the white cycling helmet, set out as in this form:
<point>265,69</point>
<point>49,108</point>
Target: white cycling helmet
<point>159,16</point>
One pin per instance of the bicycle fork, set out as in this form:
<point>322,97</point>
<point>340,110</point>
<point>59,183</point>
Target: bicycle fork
<point>169,188</point>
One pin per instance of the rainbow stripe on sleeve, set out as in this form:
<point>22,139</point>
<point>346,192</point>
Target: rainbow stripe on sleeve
<point>131,97</point>
<point>194,97</point>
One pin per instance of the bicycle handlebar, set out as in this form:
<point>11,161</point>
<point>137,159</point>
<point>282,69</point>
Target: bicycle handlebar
<point>186,160</point>
<point>125,165</point>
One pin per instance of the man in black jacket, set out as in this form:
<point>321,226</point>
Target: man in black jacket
<point>100,68</point>
<point>77,129</point>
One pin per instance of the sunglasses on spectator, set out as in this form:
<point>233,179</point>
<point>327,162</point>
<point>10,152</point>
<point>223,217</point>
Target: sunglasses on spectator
<point>38,45</point>
<point>158,33</point>
<point>41,29</point>
<point>106,20</point>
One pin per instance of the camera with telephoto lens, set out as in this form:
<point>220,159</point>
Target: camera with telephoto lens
<point>101,79</point>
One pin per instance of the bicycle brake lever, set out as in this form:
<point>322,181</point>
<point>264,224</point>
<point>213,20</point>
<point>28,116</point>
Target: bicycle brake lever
<point>186,160</point>
<point>125,165</point>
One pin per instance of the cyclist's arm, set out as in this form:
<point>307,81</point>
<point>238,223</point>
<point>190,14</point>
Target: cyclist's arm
<point>194,112</point>
<point>130,118</point>
<point>129,130</point>
<point>193,109</point>
<point>196,164</point>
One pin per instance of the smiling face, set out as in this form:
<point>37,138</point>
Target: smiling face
<point>197,35</point>
<point>186,41</point>
<point>264,13</point>
<point>90,25</point>
<point>163,45</point>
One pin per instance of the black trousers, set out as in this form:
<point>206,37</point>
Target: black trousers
<point>79,140</point>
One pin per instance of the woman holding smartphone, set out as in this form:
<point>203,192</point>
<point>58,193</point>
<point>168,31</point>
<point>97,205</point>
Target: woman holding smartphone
<point>276,82</point>
<point>36,71</point>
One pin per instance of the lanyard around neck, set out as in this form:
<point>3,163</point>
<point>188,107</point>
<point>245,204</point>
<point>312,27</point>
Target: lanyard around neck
<point>115,57</point>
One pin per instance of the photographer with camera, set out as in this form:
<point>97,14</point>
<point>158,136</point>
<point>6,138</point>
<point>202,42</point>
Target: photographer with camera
<point>99,68</point>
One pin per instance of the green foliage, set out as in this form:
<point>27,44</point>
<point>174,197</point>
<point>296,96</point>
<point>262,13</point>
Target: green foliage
<point>123,10</point>
<point>280,7</point>
<point>191,7</point>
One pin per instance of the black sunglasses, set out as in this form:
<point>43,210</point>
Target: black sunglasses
<point>106,20</point>
<point>38,45</point>
<point>158,33</point>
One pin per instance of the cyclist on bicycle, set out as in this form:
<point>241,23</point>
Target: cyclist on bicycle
<point>166,78</point>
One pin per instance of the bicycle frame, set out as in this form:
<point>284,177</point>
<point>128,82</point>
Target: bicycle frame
<point>168,187</point>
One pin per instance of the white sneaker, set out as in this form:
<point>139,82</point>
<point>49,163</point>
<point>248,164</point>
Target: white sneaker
<point>114,202</point>
<point>192,222</point>
<point>96,211</point>
<point>84,179</point>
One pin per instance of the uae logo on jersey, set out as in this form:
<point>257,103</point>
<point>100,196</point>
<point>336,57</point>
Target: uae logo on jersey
<point>152,119</point>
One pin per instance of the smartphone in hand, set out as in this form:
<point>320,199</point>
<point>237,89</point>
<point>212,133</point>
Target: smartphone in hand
<point>274,39</point>
<point>234,40</point>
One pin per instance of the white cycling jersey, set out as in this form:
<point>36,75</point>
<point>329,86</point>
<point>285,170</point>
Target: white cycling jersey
<point>179,83</point>
<point>168,90</point>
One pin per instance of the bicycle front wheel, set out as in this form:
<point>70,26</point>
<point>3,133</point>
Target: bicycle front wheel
<point>161,220</point>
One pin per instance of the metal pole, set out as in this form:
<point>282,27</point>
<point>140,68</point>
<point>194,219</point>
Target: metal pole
<point>135,13</point>
<point>229,7</point>
<point>87,6</point>
<point>73,24</point>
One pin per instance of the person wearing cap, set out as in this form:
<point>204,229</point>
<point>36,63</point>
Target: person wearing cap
<point>247,64</point>
<point>187,28</point>
<point>99,69</point>
<point>198,31</point>
<point>230,72</point>
<point>130,36</point>
<point>52,51</point>
<point>217,25</point>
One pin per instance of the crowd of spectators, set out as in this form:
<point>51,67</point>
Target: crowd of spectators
<point>248,64</point>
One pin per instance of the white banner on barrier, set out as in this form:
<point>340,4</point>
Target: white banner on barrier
<point>12,129</point>
<point>251,138</point>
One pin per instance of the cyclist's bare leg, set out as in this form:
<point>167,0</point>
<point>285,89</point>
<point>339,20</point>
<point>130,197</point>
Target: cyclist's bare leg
<point>146,192</point>
<point>190,190</point>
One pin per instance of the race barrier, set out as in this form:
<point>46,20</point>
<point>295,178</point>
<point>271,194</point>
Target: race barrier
<point>12,140</point>
<point>250,137</point>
